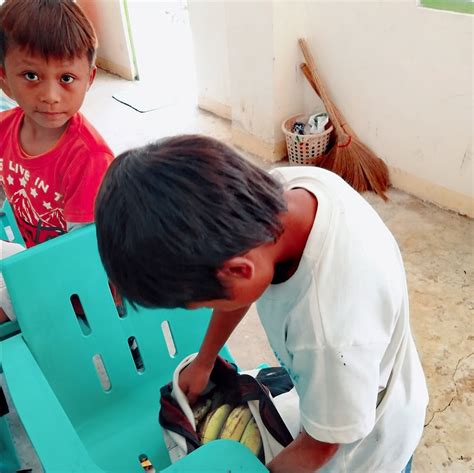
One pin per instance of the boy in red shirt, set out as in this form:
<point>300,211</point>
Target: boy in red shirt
<point>51,158</point>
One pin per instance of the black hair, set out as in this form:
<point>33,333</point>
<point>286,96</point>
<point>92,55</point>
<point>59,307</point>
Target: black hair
<point>169,215</point>
<point>50,28</point>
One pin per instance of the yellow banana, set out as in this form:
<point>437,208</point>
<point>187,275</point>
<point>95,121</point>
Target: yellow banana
<point>236,422</point>
<point>251,437</point>
<point>213,423</point>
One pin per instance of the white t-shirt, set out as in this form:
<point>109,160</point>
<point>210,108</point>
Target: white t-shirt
<point>340,325</point>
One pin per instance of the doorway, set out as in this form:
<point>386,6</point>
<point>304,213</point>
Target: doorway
<point>163,50</point>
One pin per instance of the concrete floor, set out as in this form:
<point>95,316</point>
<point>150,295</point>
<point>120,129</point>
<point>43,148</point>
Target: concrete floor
<point>437,247</point>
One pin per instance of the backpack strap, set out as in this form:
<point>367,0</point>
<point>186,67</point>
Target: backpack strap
<point>252,390</point>
<point>245,388</point>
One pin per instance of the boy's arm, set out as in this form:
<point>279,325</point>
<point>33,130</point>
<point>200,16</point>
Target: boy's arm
<point>194,378</point>
<point>304,455</point>
<point>3,316</point>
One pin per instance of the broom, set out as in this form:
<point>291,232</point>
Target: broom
<point>349,157</point>
<point>340,118</point>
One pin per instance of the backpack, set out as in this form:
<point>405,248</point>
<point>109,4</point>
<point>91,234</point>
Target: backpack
<point>268,392</point>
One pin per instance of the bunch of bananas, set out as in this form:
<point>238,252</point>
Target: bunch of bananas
<point>216,419</point>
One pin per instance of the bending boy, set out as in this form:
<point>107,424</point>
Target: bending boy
<point>200,226</point>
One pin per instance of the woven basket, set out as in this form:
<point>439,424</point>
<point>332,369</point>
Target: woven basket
<point>304,149</point>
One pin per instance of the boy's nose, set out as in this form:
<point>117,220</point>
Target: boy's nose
<point>50,93</point>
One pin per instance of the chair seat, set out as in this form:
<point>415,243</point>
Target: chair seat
<point>115,437</point>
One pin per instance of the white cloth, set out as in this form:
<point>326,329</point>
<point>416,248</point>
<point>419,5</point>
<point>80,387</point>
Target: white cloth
<point>286,405</point>
<point>340,325</point>
<point>7,249</point>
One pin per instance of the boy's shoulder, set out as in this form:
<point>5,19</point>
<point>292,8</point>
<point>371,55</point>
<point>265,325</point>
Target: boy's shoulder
<point>82,134</point>
<point>9,115</point>
<point>313,174</point>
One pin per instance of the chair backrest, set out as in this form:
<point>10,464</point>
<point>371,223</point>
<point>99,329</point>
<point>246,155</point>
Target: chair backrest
<point>9,230</point>
<point>74,351</point>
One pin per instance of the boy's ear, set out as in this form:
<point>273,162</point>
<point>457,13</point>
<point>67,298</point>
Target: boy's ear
<point>236,268</point>
<point>92,76</point>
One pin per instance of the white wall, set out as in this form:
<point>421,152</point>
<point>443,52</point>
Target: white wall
<point>211,52</point>
<point>288,80</point>
<point>247,68</point>
<point>401,74</point>
<point>250,39</point>
<point>114,53</point>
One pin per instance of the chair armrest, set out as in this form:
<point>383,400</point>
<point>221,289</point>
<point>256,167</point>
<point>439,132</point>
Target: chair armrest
<point>9,230</point>
<point>54,439</point>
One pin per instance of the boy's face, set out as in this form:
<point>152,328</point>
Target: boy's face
<point>49,91</point>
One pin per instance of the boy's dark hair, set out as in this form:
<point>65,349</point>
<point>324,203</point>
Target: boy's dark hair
<point>50,28</point>
<point>170,214</point>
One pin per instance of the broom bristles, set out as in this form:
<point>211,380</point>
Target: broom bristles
<point>358,166</point>
<point>349,157</point>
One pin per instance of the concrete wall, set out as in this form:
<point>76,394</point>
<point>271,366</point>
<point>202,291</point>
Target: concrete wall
<point>250,40</point>
<point>211,52</point>
<point>401,74</point>
<point>247,68</point>
<point>109,20</point>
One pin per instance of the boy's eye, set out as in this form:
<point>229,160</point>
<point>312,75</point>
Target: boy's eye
<point>31,76</point>
<point>67,79</point>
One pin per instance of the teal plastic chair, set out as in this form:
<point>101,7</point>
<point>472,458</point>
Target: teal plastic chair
<point>9,231</point>
<point>87,388</point>
<point>8,457</point>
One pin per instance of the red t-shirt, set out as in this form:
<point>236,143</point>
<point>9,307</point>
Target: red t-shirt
<point>56,187</point>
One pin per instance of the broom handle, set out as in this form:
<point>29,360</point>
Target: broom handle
<point>319,84</point>
<point>307,73</point>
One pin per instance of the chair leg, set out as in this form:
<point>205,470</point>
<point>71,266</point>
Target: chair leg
<point>8,458</point>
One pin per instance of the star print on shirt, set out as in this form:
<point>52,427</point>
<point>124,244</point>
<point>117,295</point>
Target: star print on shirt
<point>10,180</point>
<point>47,205</point>
<point>33,192</point>
<point>23,182</point>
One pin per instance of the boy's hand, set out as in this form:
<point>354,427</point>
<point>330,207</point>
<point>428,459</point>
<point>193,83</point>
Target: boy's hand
<point>193,379</point>
<point>304,455</point>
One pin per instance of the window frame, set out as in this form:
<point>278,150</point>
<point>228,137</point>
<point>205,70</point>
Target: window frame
<point>458,6</point>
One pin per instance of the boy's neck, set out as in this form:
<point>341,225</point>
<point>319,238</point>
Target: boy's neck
<point>36,140</point>
<point>297,223</point>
